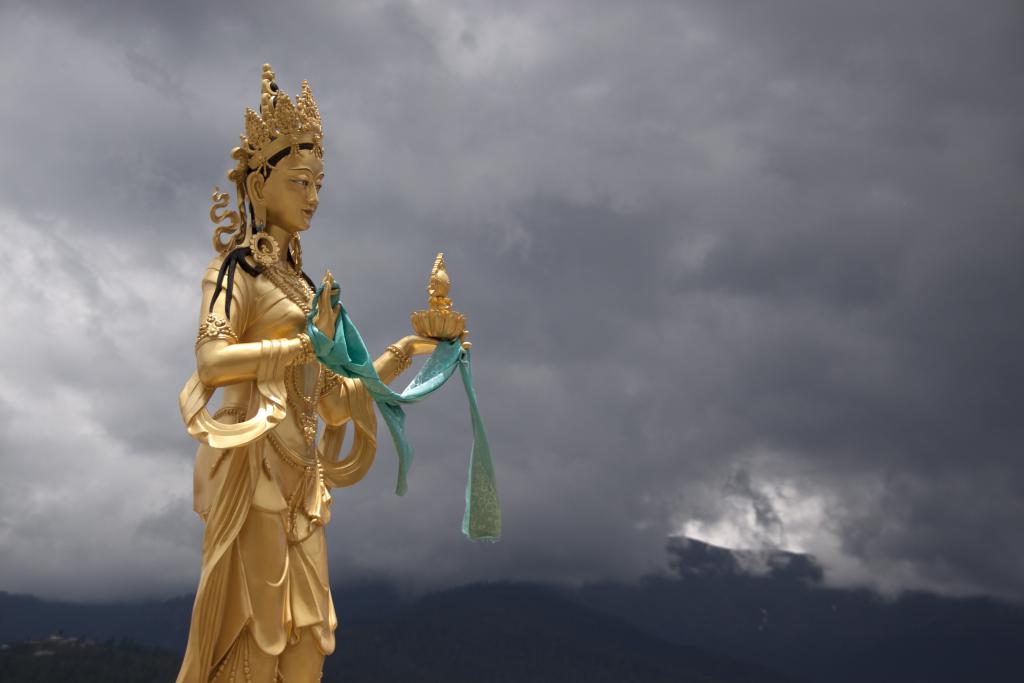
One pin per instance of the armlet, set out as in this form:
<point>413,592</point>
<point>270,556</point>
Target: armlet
<point>215,327</point>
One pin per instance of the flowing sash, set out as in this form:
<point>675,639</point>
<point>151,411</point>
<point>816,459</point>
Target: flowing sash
<point>346,355</point>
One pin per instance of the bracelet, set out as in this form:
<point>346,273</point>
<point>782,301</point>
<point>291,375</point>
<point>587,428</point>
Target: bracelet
<point>404,360</point>
<point>307,355</point>
<point>237,411</point>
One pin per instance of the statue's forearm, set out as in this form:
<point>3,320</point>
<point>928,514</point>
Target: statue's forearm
<point>334,406</point>
<point>221,362</point>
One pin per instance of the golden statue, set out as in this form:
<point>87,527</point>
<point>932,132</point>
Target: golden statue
<point>263,611</point>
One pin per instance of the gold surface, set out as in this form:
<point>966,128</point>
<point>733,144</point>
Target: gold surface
<point>263,611</point>
<point>439,320</point>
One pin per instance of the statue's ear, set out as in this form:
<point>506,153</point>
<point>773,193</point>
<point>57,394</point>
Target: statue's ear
<point>254,185</point>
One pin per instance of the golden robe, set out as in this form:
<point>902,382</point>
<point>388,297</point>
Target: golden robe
<point>262,489</point>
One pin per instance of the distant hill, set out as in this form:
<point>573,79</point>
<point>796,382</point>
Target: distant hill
<point>710,621</point>
<point>787,620</point>
<point>58,659</point>
<point>162,624</point>
<point>495,633</point>
<point>505,633</point>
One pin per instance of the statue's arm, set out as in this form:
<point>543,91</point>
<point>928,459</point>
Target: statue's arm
<point>220,358</point>
<point>221,362</point>
<point>334,406</point>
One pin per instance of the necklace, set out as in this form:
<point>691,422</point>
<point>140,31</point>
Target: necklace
<point>302,405</point>
<point>295,287</point>
<point>292,285</point>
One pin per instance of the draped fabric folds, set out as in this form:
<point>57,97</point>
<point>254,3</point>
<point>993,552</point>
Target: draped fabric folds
<point>346,355</point>
<point>222,528</point>
<point>271,410</point>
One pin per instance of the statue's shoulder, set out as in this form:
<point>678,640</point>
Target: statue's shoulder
<point>234,260</point>
<point>215,262</point>
<point>232,271</point>
<point>213,268</point>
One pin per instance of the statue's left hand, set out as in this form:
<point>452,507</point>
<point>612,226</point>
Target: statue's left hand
<point>416,345</point>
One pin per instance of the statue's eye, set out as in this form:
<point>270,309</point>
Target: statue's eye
<point>300,181</point>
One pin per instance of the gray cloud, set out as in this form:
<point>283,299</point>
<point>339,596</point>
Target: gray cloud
<point>738,270</point>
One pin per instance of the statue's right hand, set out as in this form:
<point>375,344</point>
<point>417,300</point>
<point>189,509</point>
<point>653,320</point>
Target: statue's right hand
<point>326,315</point>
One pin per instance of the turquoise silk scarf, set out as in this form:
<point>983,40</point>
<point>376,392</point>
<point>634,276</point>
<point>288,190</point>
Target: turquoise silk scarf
<point>346,355</point>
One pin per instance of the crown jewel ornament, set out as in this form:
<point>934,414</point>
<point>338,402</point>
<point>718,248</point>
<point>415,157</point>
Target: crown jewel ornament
<point>280,123</point>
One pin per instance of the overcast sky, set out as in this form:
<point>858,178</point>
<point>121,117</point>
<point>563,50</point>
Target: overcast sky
<point>745,271</point>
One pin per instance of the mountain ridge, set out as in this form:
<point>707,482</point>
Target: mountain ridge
<point>782,618</point>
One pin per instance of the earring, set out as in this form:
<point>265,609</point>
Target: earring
<point>264,249</point>
<point>259,216</point>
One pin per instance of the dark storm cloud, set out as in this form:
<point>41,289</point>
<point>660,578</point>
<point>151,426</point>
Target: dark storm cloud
<point>739,269</point>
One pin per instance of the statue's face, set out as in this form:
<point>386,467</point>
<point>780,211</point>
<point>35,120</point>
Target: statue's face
<point>291,192</point>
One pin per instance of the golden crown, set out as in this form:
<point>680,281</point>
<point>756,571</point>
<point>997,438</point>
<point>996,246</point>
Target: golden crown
<point>279,124</point>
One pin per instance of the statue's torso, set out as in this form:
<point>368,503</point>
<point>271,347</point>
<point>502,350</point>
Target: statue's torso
<point>262,310</point>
